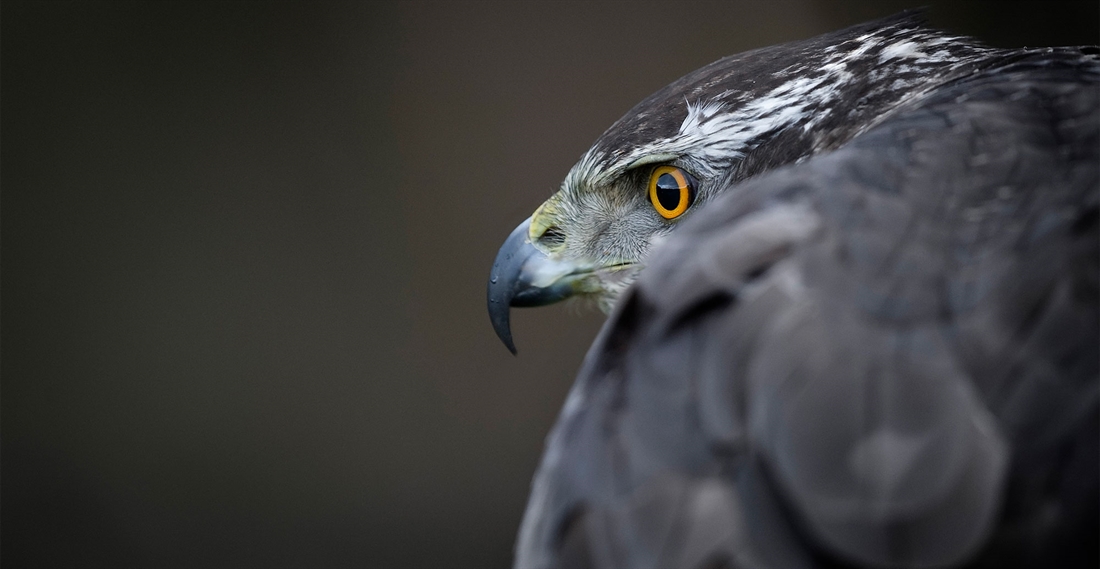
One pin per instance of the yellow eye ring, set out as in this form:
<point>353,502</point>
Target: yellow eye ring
<point>671,191</point>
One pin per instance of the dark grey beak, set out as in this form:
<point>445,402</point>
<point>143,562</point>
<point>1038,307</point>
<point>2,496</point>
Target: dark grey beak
<point>522,275</point>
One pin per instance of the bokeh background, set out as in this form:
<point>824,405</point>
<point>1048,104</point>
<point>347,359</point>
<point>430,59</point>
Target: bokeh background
<point>244,252</point>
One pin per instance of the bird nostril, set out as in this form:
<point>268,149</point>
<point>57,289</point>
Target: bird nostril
<point>552,238</point>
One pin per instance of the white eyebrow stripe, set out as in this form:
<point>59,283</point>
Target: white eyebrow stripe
<point>721,129</point>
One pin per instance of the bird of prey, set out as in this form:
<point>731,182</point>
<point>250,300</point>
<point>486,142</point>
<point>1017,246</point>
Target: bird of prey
<point>853,296</point>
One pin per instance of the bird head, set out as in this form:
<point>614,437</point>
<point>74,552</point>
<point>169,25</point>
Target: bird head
<point>694,139</point>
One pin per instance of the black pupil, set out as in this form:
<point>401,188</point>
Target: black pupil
<point>668,192</point>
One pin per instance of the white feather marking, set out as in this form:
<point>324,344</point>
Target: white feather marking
<point>902,49</point>
<point>719,130</point>
<point>698,114</point>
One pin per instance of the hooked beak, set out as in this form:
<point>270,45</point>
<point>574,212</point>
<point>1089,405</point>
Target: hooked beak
<point>523,275</point>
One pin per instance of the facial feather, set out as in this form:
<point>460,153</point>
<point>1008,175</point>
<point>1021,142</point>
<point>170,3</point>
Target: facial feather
<point>735,118</point>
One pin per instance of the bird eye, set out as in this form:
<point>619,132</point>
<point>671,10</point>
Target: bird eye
<point>671,190</point>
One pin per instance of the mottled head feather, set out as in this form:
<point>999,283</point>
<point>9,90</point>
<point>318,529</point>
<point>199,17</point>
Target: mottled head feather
<point>779,103</point>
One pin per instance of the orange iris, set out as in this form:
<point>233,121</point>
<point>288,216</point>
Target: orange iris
<point>671,190</point>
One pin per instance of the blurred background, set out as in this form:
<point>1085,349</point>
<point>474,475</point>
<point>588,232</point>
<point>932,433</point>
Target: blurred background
<point>244,254</point>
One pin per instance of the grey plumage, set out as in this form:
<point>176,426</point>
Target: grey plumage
<point>876,345</point>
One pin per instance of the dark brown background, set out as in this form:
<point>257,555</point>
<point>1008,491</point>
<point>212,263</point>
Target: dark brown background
<point>244,257</point>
